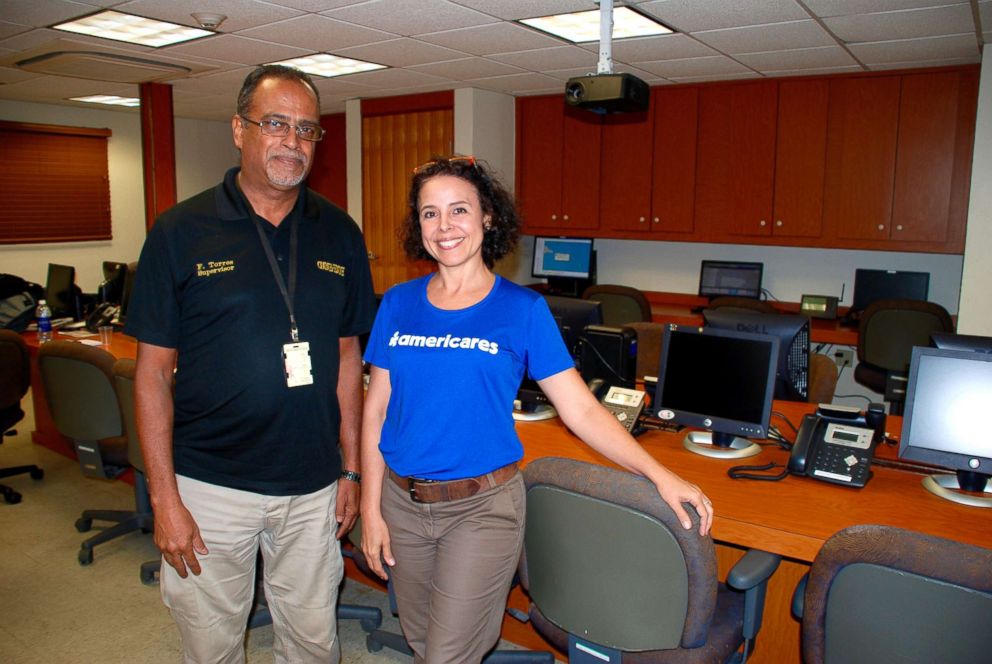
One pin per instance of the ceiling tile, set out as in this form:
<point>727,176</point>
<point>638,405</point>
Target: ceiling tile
<point>490,39</point>
<point>918,50</point>
<point>694,15</point>
<point>391,78</point>
<point>762,38</point>
<point>317,33</point>
<point>241,14</point>
<point>715,77</point>
<point>13,75</point>
<point>516,9</point>
<point>11,29</point>
<point>695,67</point>
<point>824,8</point>
<point>885,26</point>
<point>233,48</point>
<point>921,63</point>
<point>817,71</point>
<point>801,58</point>
<point>403,52</point>
<point>54,88</point>
<point>662,47</point>
<point>410,17</point>
<point>542,59</point>
<point>517,83</point>
<point>43,14</point>
<point>466,68</point>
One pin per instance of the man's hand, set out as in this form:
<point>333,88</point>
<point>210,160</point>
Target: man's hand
<point>178,538</point>
<point>346,512</point>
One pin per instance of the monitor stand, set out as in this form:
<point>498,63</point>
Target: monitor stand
<point>541,412</point>
<point>701,442</point>
<point>948,487</point>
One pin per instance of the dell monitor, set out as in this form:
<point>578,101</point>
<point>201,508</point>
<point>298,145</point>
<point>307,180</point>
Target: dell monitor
<point>792,372</point>
<point>568,263</point>
<point>719,380</point>
<point>951,341</point>
<point>61,291</point>
<point>945,423</point>
<point>718,278</point>
<point>872,285</point>
<point>111,290</point>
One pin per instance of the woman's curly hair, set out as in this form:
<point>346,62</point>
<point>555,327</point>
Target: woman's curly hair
<point>503,233</point>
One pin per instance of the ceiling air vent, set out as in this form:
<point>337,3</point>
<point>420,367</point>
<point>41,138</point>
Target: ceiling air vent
<point>99,66</point>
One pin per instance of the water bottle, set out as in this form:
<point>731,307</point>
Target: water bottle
<point>44,315</point>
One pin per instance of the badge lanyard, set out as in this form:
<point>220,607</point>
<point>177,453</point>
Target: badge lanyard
<point>296,355</point>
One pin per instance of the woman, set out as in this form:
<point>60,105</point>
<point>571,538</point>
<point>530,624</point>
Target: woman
<point>443,502</point>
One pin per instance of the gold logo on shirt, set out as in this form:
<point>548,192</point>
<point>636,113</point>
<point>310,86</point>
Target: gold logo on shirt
<point>333,268</point>
<point>211,268</point>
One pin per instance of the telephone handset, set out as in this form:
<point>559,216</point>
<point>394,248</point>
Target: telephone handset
<point>837,444</point>
<point>104,314</point>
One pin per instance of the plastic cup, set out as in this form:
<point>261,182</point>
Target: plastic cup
<point>106,332</point>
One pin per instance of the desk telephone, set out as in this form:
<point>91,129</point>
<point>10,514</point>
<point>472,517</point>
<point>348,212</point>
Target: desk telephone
<point>104,314</point>
<point>837,444</point>
<point>625,404</point>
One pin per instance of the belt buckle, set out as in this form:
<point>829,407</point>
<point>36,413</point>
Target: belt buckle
<point>411,484</point>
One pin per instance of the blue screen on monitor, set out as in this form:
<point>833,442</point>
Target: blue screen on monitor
<point>562,257</point>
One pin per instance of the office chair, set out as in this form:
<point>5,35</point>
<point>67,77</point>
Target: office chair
<point>377,639</point>
<point>823,375</point>
<point>79,386</point>
<point>742,304</point>
<point>610,570</point>
<point>621,304</point>
<point>886,335</point>
<point>15,378</point>
<point>649,336</point>
<point>884,594</point>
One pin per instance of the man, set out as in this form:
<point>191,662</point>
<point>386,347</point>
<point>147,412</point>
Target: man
<point>255,292</point>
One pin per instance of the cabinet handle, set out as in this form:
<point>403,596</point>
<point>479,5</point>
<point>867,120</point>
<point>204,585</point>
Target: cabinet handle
<point>899,227</point>
<point>881,227</point>
<point>761,223</point>
<point>656,220</point>
<point>778,223</point>
<point>554,217</point>
<point>642,220</point>
<point>565,217</point>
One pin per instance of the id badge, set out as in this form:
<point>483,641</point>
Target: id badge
<point>297,360</point>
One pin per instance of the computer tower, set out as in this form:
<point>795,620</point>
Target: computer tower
<point>609,353</point>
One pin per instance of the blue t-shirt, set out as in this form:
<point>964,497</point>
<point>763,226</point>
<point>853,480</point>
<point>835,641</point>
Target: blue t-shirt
<point>454,375</point>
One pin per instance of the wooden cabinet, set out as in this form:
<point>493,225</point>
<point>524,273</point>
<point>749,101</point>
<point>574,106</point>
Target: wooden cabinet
<point>648,178</point>
<point>735,165</point>
<point>800,150</point>
<point>558,165</point>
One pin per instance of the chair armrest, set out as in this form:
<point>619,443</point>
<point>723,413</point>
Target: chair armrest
<point>753,569</point>
<point>799,597</point>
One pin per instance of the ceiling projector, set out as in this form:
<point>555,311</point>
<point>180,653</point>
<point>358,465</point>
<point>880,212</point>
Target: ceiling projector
<point>608,93</point>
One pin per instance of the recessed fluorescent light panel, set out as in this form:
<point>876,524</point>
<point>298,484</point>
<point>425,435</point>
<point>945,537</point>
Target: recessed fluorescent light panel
<point>327,65</point>
<point>113,100</point>
<point>581,27</point>
<point>132,29</point>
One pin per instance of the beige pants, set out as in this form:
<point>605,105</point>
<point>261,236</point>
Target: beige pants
<point>302,571</point>
<point>454,565</point>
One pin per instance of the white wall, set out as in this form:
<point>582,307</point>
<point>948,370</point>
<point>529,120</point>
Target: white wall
<point>975,315</point>
<point>203,152</point>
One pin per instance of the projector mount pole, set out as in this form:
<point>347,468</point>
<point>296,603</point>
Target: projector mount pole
<point>605,65</point>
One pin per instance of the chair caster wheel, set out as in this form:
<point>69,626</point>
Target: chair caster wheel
<point>37,474</point>
<point>85,556</point>
<point>372,645</point>
<point>83,525</point>
<point>369,626</point>
<point>11,496</point>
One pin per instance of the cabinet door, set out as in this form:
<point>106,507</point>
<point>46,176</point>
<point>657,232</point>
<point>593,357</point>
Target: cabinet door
<point>625,199</point>
<point>928,110</point>
<point>539,159</point>
<point>580,170</point>
<point>736,159</point>
<point>673,189</point>
<point>800,151</point>
<point>861,155</point>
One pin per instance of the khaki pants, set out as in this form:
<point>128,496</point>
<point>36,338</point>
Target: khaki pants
<point>302,571</point>
<point>454,565</point>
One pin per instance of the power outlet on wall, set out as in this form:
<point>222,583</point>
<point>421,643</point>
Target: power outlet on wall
<point>844,358</point>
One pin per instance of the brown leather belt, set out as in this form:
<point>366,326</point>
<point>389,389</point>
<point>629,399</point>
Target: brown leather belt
<point>441,491</point>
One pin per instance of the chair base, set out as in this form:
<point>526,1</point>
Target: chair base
<point>126,522</point>
<point>11,495</point>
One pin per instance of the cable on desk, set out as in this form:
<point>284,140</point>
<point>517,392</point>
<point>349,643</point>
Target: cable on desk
<point>786,420</point>
<point>747,472</point>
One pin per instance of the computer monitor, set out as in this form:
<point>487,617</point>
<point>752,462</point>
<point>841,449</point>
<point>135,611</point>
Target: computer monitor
<point>572,316</point>
<point>951,341</point>
<point>719,380</point>
<point>945,422</point>
<point>735,278</point>
<point>132,270</point>
<point>872,285</point>
<point>792,372</point>
<point>111,290</point>
<point>608,354</point>
<point>61,291</point>
<point>568,263</point>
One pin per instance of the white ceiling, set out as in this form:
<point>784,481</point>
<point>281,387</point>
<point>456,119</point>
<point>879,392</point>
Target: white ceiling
<point>445,44</point>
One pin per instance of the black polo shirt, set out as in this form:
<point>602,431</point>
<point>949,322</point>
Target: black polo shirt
<point>205,288</point>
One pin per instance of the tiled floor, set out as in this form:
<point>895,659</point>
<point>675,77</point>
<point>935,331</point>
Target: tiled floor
<point>54,611</point>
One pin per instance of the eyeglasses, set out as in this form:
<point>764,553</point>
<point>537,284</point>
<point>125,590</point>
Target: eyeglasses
<point>307,132</point>
<point>467,159</point>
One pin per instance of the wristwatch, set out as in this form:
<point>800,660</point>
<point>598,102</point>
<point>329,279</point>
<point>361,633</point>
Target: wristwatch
<point>351,475</point>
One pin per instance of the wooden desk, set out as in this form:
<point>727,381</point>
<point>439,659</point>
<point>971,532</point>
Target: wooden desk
<point>792,517</point>
<point>677,308</point>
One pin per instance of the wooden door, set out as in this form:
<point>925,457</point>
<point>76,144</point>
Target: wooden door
<point>581,153</point>
<point>539,160</point>
<point>392,146</point>
<point>861,156</point>
<point>673,189</point>
<point>800,153</point>
<point>736,159</point>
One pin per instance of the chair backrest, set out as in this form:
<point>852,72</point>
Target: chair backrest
<point>884,594</point>
<point>123,371</point>
<point>823,376</point>
<point>79,388</point>
<point>15,377</point>
<point>649,337</point>
<point>890,328</point>
<point>742,304</point>
<point>621,304</point>
<point>605,558</point>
